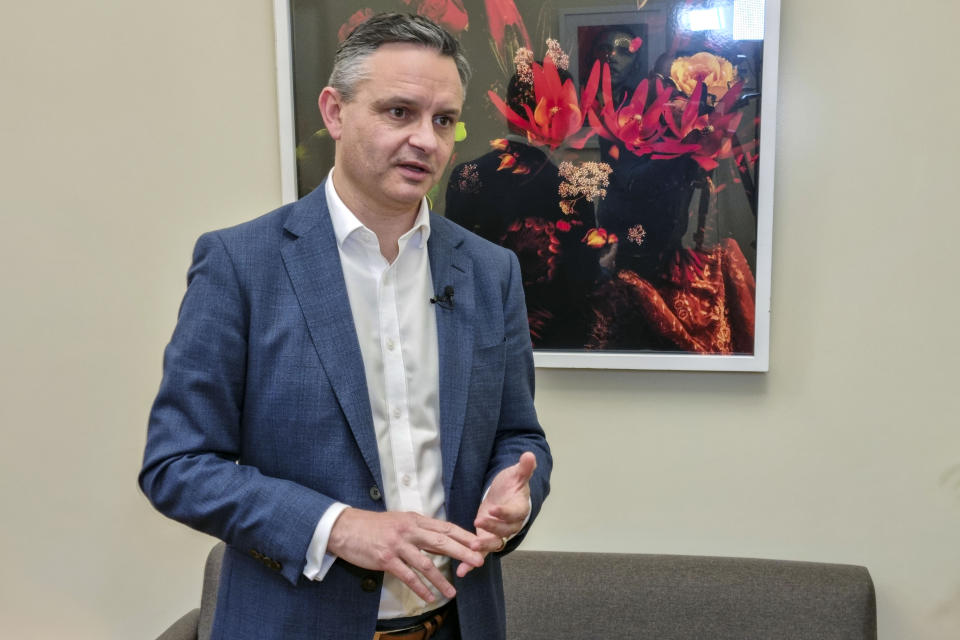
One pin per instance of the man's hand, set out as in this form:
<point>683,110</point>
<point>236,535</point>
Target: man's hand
<point>506,505</point>
<point>392,541</point>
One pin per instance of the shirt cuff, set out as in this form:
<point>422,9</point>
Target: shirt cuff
<point>318,560</point>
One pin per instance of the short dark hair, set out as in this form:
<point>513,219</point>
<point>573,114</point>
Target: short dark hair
<point>383,28</point>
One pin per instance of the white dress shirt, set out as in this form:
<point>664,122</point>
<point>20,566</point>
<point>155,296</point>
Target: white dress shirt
<point>397,329</point>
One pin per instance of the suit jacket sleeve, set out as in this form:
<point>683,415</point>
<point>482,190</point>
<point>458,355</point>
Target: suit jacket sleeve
<point>519,430</point>
<point>190,469</point>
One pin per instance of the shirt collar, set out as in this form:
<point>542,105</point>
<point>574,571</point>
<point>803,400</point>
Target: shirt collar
<point>345,223</point>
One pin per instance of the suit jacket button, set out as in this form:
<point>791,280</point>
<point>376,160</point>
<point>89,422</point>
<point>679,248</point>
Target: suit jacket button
<point>276,566</point>
<point>375,492</point>
<point>369,584</point>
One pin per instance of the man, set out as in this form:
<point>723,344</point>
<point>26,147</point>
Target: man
<point>347,398</point>
<point>617,46</point>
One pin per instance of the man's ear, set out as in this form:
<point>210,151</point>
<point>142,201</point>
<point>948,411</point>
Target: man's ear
<point>331,103</point>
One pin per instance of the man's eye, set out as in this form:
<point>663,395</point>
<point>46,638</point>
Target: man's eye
<point>443,121</point>
<point>398,112</point>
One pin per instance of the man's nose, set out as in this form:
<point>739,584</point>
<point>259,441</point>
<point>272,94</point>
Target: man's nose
<point>424,136</point>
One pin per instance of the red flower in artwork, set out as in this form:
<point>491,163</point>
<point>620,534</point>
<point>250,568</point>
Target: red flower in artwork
<point>711,132</point>
<point>500,15</point>
<point>598,238</point>
<point>671,125</point>
<point>353,22</point>
<point>511,161</point>
<point>447,13</point>
<point>634,124</point>
<point>559,115</point>
<point>716,140</point>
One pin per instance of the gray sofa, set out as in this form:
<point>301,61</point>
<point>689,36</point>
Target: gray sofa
<point>555,595</point>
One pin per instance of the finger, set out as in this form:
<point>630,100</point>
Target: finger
<point>503,519</point>
<point>515,511</point>
<point>423,564</point>
<point>399,568</point>
<point>442,544</point>
<point>450,540</point>
<point>526,466</point>
<point>463,569</point>
<point>488,543</point>
<point>498,528</point>
<point>491,541</point>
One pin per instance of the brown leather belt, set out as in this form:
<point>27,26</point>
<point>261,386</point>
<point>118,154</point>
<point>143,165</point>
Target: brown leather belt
<point>423,631</point>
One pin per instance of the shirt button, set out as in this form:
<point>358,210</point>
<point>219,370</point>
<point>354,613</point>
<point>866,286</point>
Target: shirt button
<point>390,344</point>
<point>396,413</point>
<point>405,480</point>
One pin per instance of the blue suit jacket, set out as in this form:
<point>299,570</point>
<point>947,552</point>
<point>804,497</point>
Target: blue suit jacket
<point>263,420</point>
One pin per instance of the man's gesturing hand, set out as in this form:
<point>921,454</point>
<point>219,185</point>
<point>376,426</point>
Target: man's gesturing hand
<point>392,541</point>
<point>507,503</point>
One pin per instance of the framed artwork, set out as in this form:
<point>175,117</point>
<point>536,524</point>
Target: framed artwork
<point>624,153</point>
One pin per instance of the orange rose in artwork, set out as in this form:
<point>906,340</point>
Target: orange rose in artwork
<point>715,72</point>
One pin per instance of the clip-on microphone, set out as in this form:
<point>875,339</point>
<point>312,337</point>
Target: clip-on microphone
<point>445,299</point>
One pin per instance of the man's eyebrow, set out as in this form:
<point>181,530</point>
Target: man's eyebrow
<point>392,101</point>
<point>405,101</point>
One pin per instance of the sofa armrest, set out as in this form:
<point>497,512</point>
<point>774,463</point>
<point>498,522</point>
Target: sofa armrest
<point>211,583</point>
<point>183,629</point>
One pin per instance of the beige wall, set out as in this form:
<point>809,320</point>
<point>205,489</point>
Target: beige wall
<point>128,131</point>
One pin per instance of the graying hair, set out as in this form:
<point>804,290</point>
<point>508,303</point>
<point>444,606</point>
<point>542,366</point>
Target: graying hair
<point>349,66</point>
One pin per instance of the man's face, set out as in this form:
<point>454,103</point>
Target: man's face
<point>395,137</point>
<point>614,47</point>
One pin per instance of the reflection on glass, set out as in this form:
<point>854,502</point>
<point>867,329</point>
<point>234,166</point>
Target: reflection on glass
<point>748,19</point>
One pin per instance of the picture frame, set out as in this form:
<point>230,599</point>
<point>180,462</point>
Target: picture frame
<point>304,55</point>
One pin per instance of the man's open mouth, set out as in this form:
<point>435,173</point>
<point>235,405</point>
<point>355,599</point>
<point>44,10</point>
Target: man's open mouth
<point>415,167</point>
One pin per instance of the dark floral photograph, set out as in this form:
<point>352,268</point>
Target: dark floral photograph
<point>616,151</point>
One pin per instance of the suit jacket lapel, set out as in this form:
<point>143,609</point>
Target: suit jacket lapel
<point>312,261</point>
<point>455,337</point>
